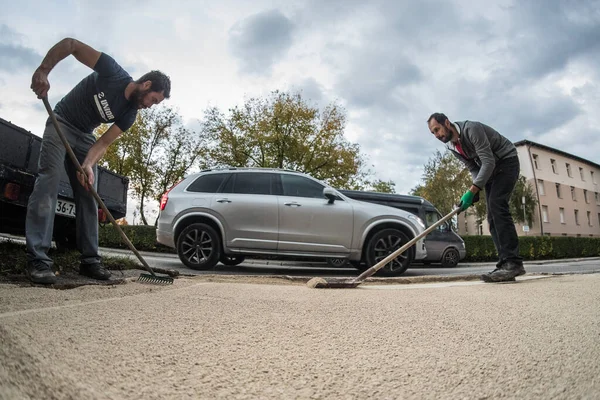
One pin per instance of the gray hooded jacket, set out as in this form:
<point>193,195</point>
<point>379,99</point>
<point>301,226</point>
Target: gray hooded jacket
<point>483,147</point>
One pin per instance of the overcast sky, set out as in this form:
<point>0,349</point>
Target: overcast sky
<point>528,68</point>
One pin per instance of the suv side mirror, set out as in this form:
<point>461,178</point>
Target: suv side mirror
<point>330,194</point>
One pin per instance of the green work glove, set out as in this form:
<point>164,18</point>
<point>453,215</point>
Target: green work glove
<point>466,200</point>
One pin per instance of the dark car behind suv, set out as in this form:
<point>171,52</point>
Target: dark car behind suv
<point>443,244</point>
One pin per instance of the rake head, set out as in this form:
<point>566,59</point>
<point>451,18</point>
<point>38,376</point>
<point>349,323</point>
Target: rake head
<point>155,279</point>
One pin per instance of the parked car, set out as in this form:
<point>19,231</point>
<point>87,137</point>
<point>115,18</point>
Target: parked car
<point>443,244</point>
<point>227,214</point>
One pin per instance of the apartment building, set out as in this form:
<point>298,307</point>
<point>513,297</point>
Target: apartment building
<point>566,187</point>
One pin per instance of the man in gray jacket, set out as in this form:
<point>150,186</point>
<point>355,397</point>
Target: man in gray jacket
<point>494,166</point>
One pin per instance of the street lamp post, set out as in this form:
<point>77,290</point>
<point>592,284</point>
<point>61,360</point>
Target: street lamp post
<point>524,216</point>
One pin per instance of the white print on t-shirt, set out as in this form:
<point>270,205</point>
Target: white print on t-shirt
<point>103,107</point>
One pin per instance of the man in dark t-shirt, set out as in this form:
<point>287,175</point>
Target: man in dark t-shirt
<point>108,95</point>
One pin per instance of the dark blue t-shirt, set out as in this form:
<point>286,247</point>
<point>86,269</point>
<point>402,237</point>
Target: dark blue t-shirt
<point>99,98</point>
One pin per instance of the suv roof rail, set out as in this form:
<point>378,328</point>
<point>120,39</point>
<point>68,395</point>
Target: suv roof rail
<point>228,168</point>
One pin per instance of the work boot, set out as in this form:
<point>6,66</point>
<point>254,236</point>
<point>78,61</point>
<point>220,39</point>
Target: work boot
<point>40,272</point>
<point>95,270</point>
<point>508,272</point>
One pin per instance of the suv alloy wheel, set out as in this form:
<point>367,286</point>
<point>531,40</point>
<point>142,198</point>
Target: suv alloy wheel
<point>199,246</point>
<point>385,242</point>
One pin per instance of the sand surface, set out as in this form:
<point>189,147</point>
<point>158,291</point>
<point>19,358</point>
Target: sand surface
<point>537,338</point>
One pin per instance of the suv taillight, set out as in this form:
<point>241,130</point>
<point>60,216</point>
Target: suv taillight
<point>163,200</point>
<point>165,197</point>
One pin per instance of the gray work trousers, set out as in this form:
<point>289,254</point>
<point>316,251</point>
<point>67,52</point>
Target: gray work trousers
<point>42,202</point>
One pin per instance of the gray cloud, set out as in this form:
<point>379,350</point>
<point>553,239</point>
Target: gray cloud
<point>373,79</point>
<point>310,90</point>
<point>260,40</point>
<point>14,58</point>
<point>546,35</point>
<point>7,34</point>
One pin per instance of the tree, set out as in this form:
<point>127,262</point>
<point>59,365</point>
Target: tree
<point>523,189</point>
<point>283,131</point>
<point>155,153</point>
<point>445,179</point>
<point>382,186</point>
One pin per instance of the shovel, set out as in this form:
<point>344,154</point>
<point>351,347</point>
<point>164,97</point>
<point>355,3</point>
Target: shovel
<point>145,278</point>
<point>321,283</point>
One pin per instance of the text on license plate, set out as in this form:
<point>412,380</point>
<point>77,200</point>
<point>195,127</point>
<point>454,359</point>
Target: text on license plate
<point>64,207</point>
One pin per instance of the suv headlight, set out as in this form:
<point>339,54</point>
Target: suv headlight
<point>419,220</point>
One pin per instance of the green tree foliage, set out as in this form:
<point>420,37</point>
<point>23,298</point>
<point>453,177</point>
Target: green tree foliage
<point>445,179</point>
<point>283,131</point>
<point>523,189</point>
<point>154,153</point>
<point>382,186</point>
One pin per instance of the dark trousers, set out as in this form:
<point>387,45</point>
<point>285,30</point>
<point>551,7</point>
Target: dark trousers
<point>497,194</point>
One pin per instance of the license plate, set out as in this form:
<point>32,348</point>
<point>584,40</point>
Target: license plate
<point>64,207</point>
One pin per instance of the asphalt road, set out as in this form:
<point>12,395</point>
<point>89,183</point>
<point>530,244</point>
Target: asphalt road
<point>264,267</point>
<point>317,268</point>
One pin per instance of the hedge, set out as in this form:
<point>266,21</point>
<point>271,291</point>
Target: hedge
<point>143,238</point>
<point>479,248</point>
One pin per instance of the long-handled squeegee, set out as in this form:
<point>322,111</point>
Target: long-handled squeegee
<point>145,278</point>
<point>319,282</point>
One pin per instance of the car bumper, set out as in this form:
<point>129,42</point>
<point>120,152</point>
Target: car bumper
<point>420,250</point>
<point>165,238</point>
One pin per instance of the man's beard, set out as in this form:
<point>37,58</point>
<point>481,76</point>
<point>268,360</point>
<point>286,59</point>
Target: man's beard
<point>447,135</point>
<point>137,97</point>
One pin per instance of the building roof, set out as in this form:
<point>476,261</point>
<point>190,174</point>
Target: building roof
<point>553,150</point>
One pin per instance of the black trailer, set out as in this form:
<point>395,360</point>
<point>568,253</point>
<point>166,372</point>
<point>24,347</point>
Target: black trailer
<point>19,154</point>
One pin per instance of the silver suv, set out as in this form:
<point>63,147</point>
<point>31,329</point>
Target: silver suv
<point>226,214</point>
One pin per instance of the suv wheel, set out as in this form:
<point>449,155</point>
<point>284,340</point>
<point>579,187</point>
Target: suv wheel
<point>385,242</point>
<point>199,246</point>
<point>450,258</point>
<point>232,260</point>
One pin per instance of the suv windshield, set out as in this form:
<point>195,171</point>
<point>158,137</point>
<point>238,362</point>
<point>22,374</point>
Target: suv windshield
<point>431,217</point>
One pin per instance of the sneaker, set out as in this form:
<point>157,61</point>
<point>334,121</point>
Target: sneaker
<point>96,271</point>
<point>508,272</point>
<point>40,272</point>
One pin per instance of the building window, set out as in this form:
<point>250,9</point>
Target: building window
<point>581,173</point>
<point>541,187</point>
<point>573,193</point>
<point>597,198</point>
<point>562,215</point>
<point>535,161</point>
<point>576,217</point>
<point>593,179</point>
<point>558,194</point>
<point>585,196</point>
<point>598,218</point>
<point>589,218</point>
<point>545,213</point>
<point>569,170</point>
<point>553,163</point>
